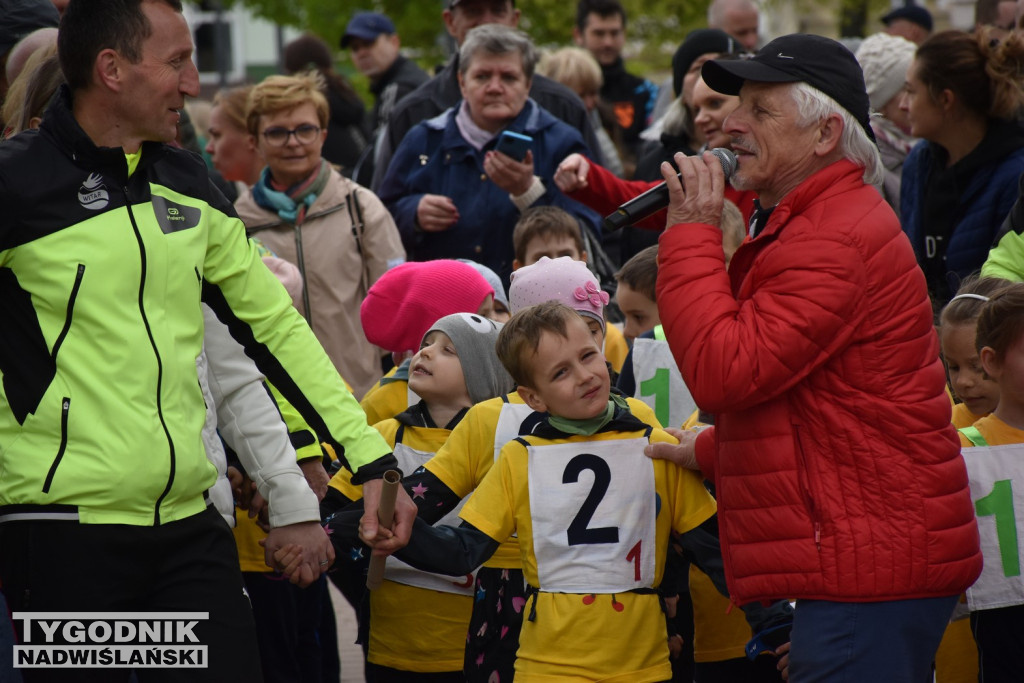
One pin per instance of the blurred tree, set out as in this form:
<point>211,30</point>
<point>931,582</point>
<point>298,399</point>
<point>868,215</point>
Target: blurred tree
<point>655,25</point>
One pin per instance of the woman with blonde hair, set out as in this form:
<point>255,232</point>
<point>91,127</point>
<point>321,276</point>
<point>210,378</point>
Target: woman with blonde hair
<point>31,91</point>
<point>576,69</point>
<point>338,233</point>
<point>346,122</point>
<point>230,146</point>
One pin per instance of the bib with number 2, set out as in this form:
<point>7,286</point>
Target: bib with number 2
<point>593,508</point>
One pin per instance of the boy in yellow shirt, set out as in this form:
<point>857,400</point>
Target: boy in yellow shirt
<point>591,513</point>
<point>418,620</point>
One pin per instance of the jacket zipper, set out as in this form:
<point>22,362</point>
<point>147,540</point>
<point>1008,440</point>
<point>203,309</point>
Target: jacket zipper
<point>70,312</point>
<point>66,401</point>
<point>805,484</point>
<point>65,408</point>
<point>156,353</point>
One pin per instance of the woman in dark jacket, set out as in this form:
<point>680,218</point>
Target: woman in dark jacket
<point>453,195</point>
<point>963,97</point>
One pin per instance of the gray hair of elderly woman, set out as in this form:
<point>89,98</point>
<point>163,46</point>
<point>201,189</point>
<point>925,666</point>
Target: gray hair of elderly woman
<point>495,39</point>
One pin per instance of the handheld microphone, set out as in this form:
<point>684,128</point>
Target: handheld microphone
<point>656,198</point>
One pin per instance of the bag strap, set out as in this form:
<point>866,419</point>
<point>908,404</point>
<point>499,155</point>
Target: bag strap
<point>355,214</point>
<point>974,435</point>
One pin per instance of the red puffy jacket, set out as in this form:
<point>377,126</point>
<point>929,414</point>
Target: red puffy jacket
<point>838,474</point>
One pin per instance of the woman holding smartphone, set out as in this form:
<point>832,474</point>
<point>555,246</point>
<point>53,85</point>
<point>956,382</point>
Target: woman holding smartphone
<point>452,191</point>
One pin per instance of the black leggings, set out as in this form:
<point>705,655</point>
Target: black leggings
<point>186,566</point>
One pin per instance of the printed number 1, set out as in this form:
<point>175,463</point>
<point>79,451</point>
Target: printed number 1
<point>657,386</point>
<point>999,504</point>
<point>634,556</point>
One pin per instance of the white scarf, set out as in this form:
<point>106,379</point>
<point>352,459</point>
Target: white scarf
<point>476,136</point>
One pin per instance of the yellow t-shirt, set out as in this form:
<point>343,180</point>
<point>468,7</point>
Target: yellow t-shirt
<point>385,399</point>
<point>247,539</point>
<point>467,456</point>
<point>962,417</point>
<point>574,636</point>
<point>616,348</point>
<point>995,431</point>
<point>412,628</point>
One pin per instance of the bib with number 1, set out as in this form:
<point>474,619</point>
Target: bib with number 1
<point>593,508</point>
<point>659,383</point>
<point>997,488</point>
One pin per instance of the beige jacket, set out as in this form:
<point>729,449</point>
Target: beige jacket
<point>336,275</point>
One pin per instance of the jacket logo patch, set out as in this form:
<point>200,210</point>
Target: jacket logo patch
<point>173,217</point>
<point>92,194</point>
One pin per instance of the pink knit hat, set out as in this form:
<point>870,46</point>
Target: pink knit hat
<point>563,280</point>
<point>402,305</point>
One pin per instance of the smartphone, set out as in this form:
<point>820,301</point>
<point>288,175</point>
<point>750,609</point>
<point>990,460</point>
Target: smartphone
<point>514,145</point>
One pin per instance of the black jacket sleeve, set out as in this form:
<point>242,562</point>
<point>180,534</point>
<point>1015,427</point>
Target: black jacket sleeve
<point>455,551</point>
<point>432,496</point>
<point>702,547</point>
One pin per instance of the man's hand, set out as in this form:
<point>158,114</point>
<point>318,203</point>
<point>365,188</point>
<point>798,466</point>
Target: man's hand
<point>316,476</point>
<point>782,652</point>
<point>699,198</point>
<point>385,541</point>
<point>436,213</point>
<point>515,177</point>
<point>317,554</point>
<point>683,454</point>
<point>571,174</point>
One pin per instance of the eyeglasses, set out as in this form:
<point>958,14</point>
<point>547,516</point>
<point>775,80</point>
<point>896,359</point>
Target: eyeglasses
<point>304,134</point>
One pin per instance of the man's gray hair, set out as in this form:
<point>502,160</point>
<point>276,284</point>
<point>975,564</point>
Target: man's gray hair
<point>718,8</point>
<point>855,145</point>
<point>496,39</point>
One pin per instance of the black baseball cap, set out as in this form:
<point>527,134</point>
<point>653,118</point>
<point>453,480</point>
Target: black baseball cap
<point>367,26</point>
<point>912,13</point>
<point>820,62</point>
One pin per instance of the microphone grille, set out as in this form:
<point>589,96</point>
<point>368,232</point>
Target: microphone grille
<point>727,159</point>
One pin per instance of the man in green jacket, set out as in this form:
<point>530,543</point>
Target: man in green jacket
<point>109,241</point>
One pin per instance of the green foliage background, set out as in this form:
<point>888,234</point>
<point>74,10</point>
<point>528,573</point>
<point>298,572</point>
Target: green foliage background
<point>653,22</point>
<point>655,30</point>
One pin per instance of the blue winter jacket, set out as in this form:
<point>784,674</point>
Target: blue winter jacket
<point>433,158</point>
<point>983,206</point>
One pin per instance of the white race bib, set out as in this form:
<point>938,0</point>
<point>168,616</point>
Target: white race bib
<point>509,420</point>
<point>593,510</point>
<point>409,460</point>
<point>411,398</point>
<point>659,383</point>
<point>997,489</point>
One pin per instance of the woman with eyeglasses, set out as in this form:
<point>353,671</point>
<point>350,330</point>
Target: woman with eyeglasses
<point>337,232</point>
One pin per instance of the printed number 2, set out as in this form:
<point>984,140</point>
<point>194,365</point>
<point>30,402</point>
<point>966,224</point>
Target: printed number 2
<point>999,504</point>
<point>578,533</point>
<point>657,386</point>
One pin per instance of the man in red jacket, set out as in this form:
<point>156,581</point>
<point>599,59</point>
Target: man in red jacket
<point>839,478</point>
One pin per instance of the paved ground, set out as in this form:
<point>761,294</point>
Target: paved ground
<point>351,654</point>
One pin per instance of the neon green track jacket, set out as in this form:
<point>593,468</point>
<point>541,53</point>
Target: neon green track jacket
<point>101,277</point>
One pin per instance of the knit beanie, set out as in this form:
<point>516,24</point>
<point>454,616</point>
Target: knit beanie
<point>563,280</point>
<point>492,279</point>
<point>885,60</point>
<point>474,337</point>
<point>697,43</point>
<point>402,305</point>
